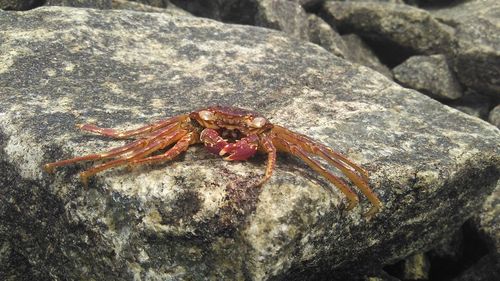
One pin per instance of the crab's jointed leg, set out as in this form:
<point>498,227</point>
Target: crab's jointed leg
<point>112,133</point>
<point>134,155</point>
<point>113,152</point>
<point>327,153</point>
<point>268,146</point>
<point>284,145</point>
<point>355,173</point>
<point>180,146</point>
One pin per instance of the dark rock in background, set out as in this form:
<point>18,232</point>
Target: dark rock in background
<point>430,75</point>
<point>494,116</point>
<point>477,59</point>
<point>361,53</point>
<point>18,5</point>
<point>323,34</point>
<point>135,6</point>
<point>473,104</point>
<point>402,25</point>
<point>283,15</point>
<point>97,4</point>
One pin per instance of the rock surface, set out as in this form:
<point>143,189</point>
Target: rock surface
<point>494,116</point>
<point>198,216</point>
<point>16,4</point>
<point>99,4</point>
<point>402,25</point>
<point>134,6</point>
<point>477,56</point>
<point>322,33</point>
<point>283,15</point>
<point>429,75</point>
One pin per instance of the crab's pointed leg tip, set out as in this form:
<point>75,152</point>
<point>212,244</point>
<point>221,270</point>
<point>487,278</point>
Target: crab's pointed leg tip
<point>351,205</point>
<point>84,179</point>
<point>48,168</point>
<point>372,212</point>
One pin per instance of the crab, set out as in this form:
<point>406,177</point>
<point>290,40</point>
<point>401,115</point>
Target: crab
<point>233,133</point>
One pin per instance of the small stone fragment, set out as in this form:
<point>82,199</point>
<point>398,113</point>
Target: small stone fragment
<point>323,34</point>
<point>494,116</point>
<point>416,267</point>
<point>283,15</point>
<point>477,52</point>
<point>429,75</point>
<point>17,5</point>
<point>96,4</point>
<point>135,6</point>
<point>406,26</point>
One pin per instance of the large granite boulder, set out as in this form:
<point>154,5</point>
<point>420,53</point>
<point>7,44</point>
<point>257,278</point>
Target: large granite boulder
<point>401,25</point>
<point>199,217</point>
<point>477,59</point>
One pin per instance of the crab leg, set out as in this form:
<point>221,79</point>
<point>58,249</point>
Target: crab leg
<point>137,154</point>
<point>296,150</point>
<point>181,146</point>
<point>327,153</point>
<point>111,153</point>
<point>345,165</point>
<point>267,144</point>
<point>112,133</point>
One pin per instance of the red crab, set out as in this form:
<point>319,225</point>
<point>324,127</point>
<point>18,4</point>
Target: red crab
<point>232,132</point>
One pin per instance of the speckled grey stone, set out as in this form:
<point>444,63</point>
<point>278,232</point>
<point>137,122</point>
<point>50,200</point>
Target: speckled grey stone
<point>477,56</point>
<point>403,25</point>
<point>199,217</point>
<point>283,15</point>
<point>135,6</point>
<point>430,75</point>
<point>97,4</point>
<point>359,52</point>
<point>231,11</point>
<point>154,3</point>
<point>17,4</point>
<point>494,116</point>
<point>322,33</point>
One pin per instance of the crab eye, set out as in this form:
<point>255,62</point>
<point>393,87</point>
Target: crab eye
<point>206,115</point>
<point>258,122</point>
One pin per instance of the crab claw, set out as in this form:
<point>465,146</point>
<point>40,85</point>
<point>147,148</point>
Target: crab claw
<point>213,142</point>
<point>241,149</point>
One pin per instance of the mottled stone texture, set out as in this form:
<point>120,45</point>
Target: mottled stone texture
<point>430,75</point>
<point>477,60</point>
<point>478,57</point>
<point>199,217</point>
<point>17,4</point>
<point>323,34</point>
<point>402,25</point>
<point>99,4</point>
<point>283,15</point>
<point>494,116</point>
